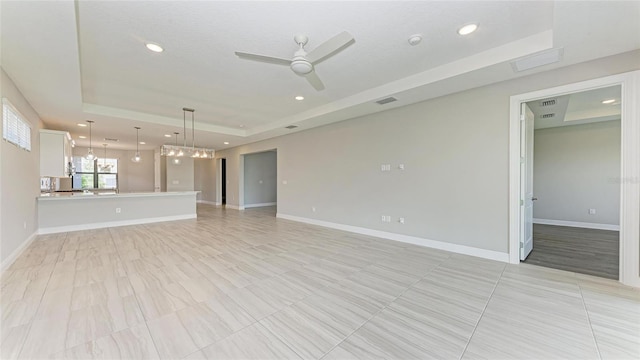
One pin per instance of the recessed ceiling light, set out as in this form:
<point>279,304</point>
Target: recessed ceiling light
<point>154,47</point>
<point>82,137</point>
<point>226,143</point>
<point>167,135</point>
<point>299,97</point>
<point>82,125</point>
<point>609,101</point>
<point>142,143</point>
<point>241,126</point>
<point>468,29</point>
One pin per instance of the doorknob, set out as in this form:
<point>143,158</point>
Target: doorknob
<point>534,198</point>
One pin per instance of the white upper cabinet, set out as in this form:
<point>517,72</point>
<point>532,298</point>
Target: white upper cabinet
<point>55,153</point>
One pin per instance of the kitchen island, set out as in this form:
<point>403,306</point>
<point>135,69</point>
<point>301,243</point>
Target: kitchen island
<point>62,212</point>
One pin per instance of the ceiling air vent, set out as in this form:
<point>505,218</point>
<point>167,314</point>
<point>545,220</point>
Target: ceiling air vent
<point>291,127</point>
<point>547,116</point>
<point>111,139</point>
<point>549,102</point>
<point>386,100</point>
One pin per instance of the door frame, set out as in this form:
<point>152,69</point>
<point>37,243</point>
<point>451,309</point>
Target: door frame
<point>629,272</point>
<point>219,181</point>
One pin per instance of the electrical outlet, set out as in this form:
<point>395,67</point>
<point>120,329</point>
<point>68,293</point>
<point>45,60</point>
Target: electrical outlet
<point>118,210</point>
<point>401,220</point>
<point>592,211</point>
<point>313,208</point>
<point>401,167</point>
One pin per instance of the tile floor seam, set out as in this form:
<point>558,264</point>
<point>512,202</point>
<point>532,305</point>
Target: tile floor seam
<point>593,334</point>
<point>495,286</point>
<point>135,295</point>
<point>66,235</point>
<point>384,307</point>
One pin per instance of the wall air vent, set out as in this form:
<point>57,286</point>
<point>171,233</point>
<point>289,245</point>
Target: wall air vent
<point>547,116</point>
<point>549,102</point>
<point>386,100</point>
<point>111,139</point>
<point>291,127</point>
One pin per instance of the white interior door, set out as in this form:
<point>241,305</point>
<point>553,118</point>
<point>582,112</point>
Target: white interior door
<point>526,186</point>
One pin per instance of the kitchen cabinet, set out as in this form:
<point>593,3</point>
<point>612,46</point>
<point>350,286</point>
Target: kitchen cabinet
<point>55,153</point>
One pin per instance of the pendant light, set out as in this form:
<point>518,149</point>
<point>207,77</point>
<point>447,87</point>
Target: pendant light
<point>184,150</point>
<point>105,167</point>
<point>137,157</point>
<point>90,155</point>
<point>172,152</point>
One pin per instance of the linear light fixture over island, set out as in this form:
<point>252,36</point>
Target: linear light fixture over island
<point>184,150</point>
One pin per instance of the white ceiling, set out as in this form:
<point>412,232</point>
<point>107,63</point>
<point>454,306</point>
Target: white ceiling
<point>86,60</point>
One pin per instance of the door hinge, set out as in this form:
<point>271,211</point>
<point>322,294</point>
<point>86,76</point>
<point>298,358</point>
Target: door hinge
<point>522,117</point>
<point>521,202</point>
<point>521,245</point>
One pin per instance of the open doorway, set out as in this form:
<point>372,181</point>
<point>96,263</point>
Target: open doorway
<point>223,180</point>
<point>572,198</point>
<point>629,246</point>
<point>258,181</point>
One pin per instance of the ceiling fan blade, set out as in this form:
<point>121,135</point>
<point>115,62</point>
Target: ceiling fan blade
<point>263,58</point>
<point>330,47</point>
<point>315,81</point>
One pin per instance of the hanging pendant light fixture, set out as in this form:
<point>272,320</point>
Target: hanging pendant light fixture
<point>90,155</point>
<point>105,167</point>
<point>137,157</point>
<point>172,152</point>
<point>184,150</point>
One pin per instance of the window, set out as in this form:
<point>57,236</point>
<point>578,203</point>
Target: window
<point>95,174</point>
<point>14,128</point>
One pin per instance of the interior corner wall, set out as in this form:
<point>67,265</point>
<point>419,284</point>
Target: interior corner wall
<point>132,177</point>
<point>577,168</point>
<point>204,173</point>
<point>180,177</point>
<point>455,151</point>
<point>163,173</point>
<point>20,178</point>
<point>260,178</point>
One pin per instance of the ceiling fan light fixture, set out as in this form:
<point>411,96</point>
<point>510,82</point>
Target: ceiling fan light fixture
<point>301,67</point>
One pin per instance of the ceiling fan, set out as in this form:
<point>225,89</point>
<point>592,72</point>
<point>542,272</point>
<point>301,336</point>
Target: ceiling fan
<point>303,62</point>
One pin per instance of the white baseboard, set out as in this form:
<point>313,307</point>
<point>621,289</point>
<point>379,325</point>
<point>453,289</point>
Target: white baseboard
<point>207,202</point>
<point>247,206</point>
<point>17,252</point>
<point>234,207</point>
<point>59,229</point>
<point>460,249</point>
<point>577,224</point>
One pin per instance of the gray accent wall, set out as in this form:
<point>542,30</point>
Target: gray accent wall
<point>577,168</point>
<point>132,177</point>
<point>19,177</point>
<point>454,187</point>
<point>260,178</point>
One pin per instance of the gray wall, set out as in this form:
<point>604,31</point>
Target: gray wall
<point>19,177</point>
<point>575,169</point>
<point>455,150</point>
<point>180,177</point>
<point>132,177</point>
<point>260,178</point>
<point>204,172</point>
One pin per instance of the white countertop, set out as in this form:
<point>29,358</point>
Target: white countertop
<point>90,195</point>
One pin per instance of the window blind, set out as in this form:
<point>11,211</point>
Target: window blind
<point>14,128</point>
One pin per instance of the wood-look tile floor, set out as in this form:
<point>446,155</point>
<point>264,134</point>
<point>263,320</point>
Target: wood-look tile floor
<point>585,251</point>
<point>245,285</point>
